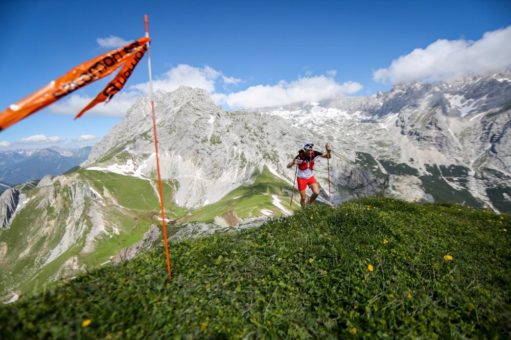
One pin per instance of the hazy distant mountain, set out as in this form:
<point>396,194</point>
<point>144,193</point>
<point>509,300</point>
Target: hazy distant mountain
<point>3,186</point>
<point>23,165</point>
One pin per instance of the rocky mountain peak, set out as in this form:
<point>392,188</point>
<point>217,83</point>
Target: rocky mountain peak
<point>209,151</point>
<point>456,98</point>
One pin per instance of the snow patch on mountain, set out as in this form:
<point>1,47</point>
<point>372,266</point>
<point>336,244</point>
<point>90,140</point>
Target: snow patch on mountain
<point>128,169</point>
<point>461,104</point>
<point>276,202</point>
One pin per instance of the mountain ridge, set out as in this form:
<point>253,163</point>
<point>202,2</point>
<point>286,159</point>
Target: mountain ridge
<point>20,166</point>
<point>213,163</point>
<point>417,125</point>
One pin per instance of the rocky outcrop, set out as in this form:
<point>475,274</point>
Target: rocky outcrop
<point>151,237</point>
<point>3,251</point>
<point>360,183</point>
<point>9,201</point>
<point>229,219</point>
<point>197,230</point>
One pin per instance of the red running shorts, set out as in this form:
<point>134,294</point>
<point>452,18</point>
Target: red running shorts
<point>304,182</point>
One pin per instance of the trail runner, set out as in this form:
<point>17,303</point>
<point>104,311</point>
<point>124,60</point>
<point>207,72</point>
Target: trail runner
<point>305,175</point>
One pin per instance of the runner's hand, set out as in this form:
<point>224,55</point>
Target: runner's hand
<point>328,147</point>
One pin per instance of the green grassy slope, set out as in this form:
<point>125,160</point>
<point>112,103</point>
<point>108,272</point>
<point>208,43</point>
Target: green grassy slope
<point>130,192</point>
<point>26,239</point>
<point>248,200</point>
<point>303,276</point>
<point>130,205</point>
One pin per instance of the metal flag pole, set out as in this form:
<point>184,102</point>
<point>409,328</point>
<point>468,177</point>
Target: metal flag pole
<point>160,187</point>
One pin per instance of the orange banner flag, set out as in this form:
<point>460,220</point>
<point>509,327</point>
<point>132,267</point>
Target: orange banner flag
<point>116,85</point>
<point>84,74</point>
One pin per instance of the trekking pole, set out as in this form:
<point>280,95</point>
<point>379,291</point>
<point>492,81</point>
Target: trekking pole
<point>329,191</point>
<point>293,191</point>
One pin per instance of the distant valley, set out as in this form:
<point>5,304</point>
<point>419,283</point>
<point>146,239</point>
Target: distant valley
<point>19,166</point>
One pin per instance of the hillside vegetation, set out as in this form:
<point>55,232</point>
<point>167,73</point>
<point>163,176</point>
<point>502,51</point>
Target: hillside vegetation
<point>248,200</point>
<point>372,268</point>
<point>124,206</point>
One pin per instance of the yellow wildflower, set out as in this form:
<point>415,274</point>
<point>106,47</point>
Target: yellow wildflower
<point>409,296</point>
<point>385,241</point>
<point>352,330</point>
<point>203,326</point>
<point>86,323</point>
<point>370,267</point>
<point>448,257</point>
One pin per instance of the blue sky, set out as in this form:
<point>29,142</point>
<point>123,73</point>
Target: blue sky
<point>245,53</point>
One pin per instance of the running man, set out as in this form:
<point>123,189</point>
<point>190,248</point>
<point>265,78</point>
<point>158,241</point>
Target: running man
<point>305,174</point>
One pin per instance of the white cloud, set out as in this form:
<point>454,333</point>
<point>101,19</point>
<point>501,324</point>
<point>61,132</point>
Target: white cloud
<point>118,106</point>
<point>111,42</point>
<point>450,59</point>
<point>40,139</point>
<point>184,75</point>
<point>181,75</point>
<point>87,137</point>
<point>4,144</point>
<point>219,98</point>
<point>231,80</point>
<point>306,89</point>
<point>331,73</point>
<point>205,78</point>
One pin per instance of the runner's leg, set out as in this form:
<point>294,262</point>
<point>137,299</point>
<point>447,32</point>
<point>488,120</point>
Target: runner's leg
<point>315,192</point>
<point>303,198</point>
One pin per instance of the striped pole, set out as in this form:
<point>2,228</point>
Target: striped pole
<point>160,186</point>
